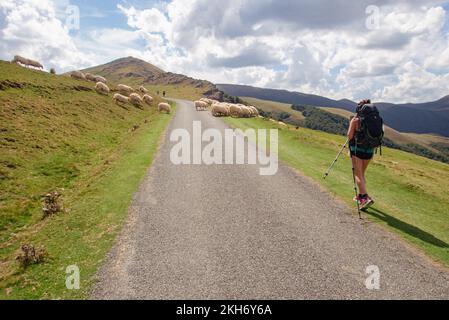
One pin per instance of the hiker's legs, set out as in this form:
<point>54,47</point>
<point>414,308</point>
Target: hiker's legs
<point>359,171</point>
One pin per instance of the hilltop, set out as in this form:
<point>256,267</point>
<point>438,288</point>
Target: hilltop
<point>136,72</point>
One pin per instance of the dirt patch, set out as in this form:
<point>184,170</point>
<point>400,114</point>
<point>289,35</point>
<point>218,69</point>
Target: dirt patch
<point>7,84</point>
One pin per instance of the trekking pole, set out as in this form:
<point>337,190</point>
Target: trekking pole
<point>356,190</point>
<point>336,159</point>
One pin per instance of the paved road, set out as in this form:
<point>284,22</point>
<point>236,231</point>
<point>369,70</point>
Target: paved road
<point>225,232</point>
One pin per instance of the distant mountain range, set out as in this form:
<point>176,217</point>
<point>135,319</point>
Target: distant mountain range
<point>430,117</point>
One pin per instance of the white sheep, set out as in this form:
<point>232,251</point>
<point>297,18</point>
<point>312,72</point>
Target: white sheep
<point>90,77</point>
<point>148,99</point>
<point>200,105</point>
<point>102,88</point>
<point>78,75</point>
<point>235,111</point>
<point>124,89</point>
<point>27,62</point>
<point>255,111</point>
<point>120,99</point>
<point>100,79</point>
<point>136,100</point>
<point>246,112</point>
<point>164,107</point>
<point>143,90</point>
<point>220,110</point>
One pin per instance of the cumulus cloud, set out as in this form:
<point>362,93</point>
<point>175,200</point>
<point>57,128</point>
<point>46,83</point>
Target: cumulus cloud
<point>31,28</point>
<point>316,46</point>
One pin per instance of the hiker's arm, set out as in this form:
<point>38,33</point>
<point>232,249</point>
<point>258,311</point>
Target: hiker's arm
<point>352,128</point>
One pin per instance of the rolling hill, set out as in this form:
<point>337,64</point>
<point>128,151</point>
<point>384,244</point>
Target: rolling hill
<point>426,118</point>
<point>136,72</point>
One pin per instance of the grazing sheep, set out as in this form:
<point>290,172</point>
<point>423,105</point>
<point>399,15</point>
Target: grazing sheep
<point>124,89</point>
<point>143,90</point>
<point>235,111</point>
<point>27,62</point>
<point>90,77</point>
<point>101,88</point>
<point>282,124</point>
<point>164,107</point>
<point>201,105</point>
<point>78,75</point>
<point>100,79</point>
<point>255,111</point>
<point>220,110</point>
<point>136,100</point>
<point>120,99</point>
<point>148,99</point>
<point>245,111</point>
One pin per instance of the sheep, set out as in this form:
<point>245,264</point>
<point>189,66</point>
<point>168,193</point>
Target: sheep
<point>201,105</point>
<point>101,88</point>
<point>245,112</point>
<point>124,89</point>
<point>143,90</point>
<point>282,124</point>
<point>100,79</point>
<point>136,100</point>
<point>255,111</point>
<point>148,99</point>
<point>235,111</point>
<point>120,99</point>
<point>163,106</point>
<point>27,62</point>
<point>90,77</point>
<point>220,110</point>
<point>78,75</point>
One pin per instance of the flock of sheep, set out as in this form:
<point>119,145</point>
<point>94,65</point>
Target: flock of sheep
<point>126,93</point>
<point>223,109</point>
<point>129,95</point>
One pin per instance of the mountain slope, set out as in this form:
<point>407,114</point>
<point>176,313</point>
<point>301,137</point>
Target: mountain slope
<point>137,72</point>
<point>57,133</point>
<point>429,118</point>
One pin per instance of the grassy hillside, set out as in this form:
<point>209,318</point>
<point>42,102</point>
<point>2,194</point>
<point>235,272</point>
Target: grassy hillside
<point>135,72</point>
<point>58,134</point>
<point>275,108</point>
<point>411,191</point>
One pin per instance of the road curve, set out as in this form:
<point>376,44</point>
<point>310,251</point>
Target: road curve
<point>225,232</point>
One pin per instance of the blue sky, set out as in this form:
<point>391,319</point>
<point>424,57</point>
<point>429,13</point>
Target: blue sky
<point>322,47</point>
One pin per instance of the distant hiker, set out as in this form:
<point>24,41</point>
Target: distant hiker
<point>365,135</point>
<point>163,94</point>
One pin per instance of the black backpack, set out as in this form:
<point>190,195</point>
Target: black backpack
<point>371,131</point>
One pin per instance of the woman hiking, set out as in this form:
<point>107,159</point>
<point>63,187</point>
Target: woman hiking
<point>361,157</point>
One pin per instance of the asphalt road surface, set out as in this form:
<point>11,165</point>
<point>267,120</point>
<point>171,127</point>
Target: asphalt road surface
<point>225,232</point>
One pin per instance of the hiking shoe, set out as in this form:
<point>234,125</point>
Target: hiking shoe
<point>365,203</point>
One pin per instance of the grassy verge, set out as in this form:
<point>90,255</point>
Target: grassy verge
<point>56,133</point>
<point>98,208</point>
<point>411,190</point>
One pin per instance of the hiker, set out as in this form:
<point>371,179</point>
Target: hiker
<point>163,94</point>
<point>363,145</point>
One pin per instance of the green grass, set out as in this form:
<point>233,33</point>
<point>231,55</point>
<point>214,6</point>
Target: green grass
<point>178,91</point>
<point>53,137</point>
<point>411,191</point>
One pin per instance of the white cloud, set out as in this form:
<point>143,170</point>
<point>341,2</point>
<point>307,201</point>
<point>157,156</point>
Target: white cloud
<point>31,28</point>
<point>315,46</point>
